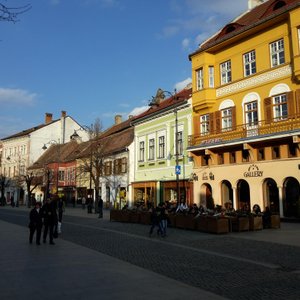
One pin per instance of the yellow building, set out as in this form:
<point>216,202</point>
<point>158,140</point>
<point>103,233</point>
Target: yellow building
<point>246,111</point>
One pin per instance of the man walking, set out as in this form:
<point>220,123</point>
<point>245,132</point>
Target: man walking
<point>100,207</point>
<point>35,223</point>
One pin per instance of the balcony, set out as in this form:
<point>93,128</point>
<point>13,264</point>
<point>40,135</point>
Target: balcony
<point>245,132</point>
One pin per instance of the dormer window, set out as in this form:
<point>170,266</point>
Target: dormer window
<point>229,29</point>
<point>278,5</point>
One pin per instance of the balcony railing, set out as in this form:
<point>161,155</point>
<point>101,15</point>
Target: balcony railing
<point>243,131</point>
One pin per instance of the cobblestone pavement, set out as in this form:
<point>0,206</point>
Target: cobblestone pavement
<point>229,266</point>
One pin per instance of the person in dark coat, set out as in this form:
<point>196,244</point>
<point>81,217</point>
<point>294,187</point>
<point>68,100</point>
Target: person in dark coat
<point>155,220</point>
<point>100,207</point>
<point>50,220</point>
<point>35,223</point>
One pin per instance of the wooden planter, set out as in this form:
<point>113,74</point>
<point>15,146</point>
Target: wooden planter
<point>145,218</point>
<point>134,217</point>
<point>240,224</point>
<point>125,216</point>
<point>217,225</point>
<point>275,221</point>
<point>201,224</point>
<point>172,220</point>
<point>180,221</point>
<point>255,223</point>
<point>115,215</point>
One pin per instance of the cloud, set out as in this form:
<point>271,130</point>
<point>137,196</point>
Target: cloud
<point>138,110</point>
<point>182,84</point>
<point>17,96</point>
<point>186,43</point>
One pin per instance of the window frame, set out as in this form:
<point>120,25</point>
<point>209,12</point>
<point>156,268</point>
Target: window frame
<point>280,109</point>
<point>204,124</point>
<point>161,146</point>
<point>211,76</point>
<point>151,148</point>
<point>251,111</point>
<point>142,151</point>
<point>225,72</point>
<point>277,53</point>
<point>226,118</point>
<point>249,60</point>
<point>200,79</point>
<point>180,142</point>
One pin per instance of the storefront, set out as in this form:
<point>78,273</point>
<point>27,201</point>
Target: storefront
<point>144,193</point>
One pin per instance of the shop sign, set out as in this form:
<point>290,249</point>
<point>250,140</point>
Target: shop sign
<point>253,171</point>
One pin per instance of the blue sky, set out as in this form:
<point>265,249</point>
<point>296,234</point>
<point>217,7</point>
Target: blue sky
<point>98,58</point>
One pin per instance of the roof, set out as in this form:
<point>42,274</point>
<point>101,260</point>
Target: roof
<point>167,104</point>
<point>258,15</point>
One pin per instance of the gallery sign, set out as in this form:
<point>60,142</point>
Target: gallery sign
<point>253,171</point>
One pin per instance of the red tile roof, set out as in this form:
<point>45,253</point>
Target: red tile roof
<point>258,15</point>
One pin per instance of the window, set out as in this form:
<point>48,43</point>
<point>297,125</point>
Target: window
<point>299,39</point>
<point>117,166</point>
<point>205,160</point>
<point>293,150</point>
<point>280,110</point>
<point>199,75</point>
<point>221,158</point>
<point>275,152</point>
<point>204,124</point>
<point>245,156</point>
<point>161,147</point>
<point>232,157</point>
<point>61,175</point>
<point>225,69</point>
<point>151,149</point>
<point>124,165</point>
<point>211,76</point>
<point>251,114</point>
<point>142,151</point>
<point>277,53</point>
<point>261,154</point>
<point>179,143</point>
<point>226,119</point>
<point>249,63</point>
<point>107,168</point>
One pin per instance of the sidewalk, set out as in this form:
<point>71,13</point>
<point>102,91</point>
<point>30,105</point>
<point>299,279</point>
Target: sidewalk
<point>70,272</point>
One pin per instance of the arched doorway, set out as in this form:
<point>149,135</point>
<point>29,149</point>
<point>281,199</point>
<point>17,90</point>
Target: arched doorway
<point>243,195</point>
<point>271,195</point>
<point>206,198</point>
<point>291,195</point>
<point>226,194</point>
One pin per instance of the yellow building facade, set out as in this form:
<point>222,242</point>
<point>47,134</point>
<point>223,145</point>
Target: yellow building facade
<point>246,111</point>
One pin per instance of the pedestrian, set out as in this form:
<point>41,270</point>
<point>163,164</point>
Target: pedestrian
<point>155,212</point>
<point>100,207</point>
<point>61,209</point>
<point>83,201</point>
<point>90,204</point>
<point>50,220</point>
<point>163,219</point>
<point>35,223</point>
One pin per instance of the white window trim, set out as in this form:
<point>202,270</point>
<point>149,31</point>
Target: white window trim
<point>200,79</point>
<point>211,76</point>
<point>250,62</point>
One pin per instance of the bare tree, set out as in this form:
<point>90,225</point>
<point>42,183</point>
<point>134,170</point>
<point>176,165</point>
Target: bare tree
<point>32,181</point>
<point>11,14</point>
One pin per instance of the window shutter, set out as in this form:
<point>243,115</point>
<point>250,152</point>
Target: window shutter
<point>218,121</point>
<point>268,109</point>
<point>233,114</point>
<point>290,104</point>
<point>297,102</point>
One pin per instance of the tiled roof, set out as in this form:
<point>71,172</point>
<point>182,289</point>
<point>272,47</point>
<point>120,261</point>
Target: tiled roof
<point>258,15</point>
<point>175,100</point>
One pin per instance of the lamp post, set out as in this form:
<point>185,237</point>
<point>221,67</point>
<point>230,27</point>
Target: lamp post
<point>57,163</point>
<point>160,95</point>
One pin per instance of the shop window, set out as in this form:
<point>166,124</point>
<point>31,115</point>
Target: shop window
<point>293,150</point>
<point>261,154</point>
<point>232,157</point>
<point>221,158</point>
<point>245,156</point>
<point>275,152</point>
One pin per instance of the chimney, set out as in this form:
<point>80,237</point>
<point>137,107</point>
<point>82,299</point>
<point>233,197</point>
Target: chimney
<point>48,118</point>
<point>63,113</point>
<point>254,3</point>
<point>118,119</point>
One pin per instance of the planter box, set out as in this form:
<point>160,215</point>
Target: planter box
<point>134,217</point>
<point>217,225</point>
<point>275,221</point>
<point>255,223</point>
<point>172,220</point>
<point>180,221</point>
<point>145,218</point>
<point>240,224</point>
<point>125,216</point>
<point>201,224</point>
<point>115,215</point>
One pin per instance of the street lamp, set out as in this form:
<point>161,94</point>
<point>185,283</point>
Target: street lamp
<point>58,158</point>
<point>160,95</point>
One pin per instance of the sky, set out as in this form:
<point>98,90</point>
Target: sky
<point>99,58</point>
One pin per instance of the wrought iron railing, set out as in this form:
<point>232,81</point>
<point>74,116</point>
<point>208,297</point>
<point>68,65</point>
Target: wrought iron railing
<point>262,128</point>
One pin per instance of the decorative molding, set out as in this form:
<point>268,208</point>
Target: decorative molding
<point>255,80</point>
